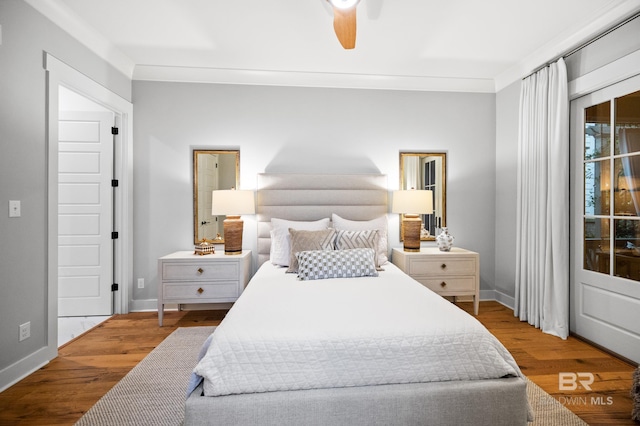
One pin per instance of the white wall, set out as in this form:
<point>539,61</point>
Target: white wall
<point>280,129</point>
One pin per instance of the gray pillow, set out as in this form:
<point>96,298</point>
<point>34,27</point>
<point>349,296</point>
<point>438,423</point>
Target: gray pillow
<point>309,240</point>
<point>322,264</point>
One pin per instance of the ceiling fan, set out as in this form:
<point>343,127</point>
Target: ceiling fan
<point>344,21</point>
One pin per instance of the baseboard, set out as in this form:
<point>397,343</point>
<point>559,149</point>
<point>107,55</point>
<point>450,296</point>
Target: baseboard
<point>504,299</point>
<point>144,305</point>
<point>17,371</point>
<point>487,295</point>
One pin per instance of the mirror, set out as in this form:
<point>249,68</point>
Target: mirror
<point>426,170</point>
<point>212,170</point>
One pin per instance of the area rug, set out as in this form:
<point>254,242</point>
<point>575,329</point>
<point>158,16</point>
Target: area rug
<point>154,392</point>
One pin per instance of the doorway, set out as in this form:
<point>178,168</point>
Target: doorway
<point>61,81</point>
<point>605,283</point>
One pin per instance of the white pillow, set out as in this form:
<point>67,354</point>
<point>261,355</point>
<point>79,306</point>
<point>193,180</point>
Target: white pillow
<point>280,251</point>
<point>380,223</point>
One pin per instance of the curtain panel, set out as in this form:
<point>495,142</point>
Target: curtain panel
<point>542,245</point>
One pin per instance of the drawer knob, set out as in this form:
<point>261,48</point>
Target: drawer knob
<point>200,270</point>
<point>200,290</point>
<point>443,266</point>
<point>443,284</point>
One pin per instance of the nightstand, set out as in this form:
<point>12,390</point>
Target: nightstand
<point>448,273</point>
<point>190,278</point>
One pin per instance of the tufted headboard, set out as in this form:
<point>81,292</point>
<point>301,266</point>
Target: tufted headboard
<point>316,196</point>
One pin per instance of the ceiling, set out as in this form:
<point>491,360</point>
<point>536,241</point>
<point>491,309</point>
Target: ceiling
<point>452,45</point>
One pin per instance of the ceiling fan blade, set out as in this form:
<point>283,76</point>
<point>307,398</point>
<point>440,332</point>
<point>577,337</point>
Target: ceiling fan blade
<point>344,24</point>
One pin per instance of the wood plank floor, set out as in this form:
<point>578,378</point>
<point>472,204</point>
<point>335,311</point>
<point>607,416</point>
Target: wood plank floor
<point>87,367</point>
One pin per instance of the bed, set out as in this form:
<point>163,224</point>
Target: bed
<point>367,346</point>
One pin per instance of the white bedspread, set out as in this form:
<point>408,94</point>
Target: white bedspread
<point>285,334</point>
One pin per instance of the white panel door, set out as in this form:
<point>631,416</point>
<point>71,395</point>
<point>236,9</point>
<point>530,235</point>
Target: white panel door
<point>85,163</point>
<point>605,281</point>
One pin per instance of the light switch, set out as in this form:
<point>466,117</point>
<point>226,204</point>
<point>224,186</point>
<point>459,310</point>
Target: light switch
<point>14,208</point>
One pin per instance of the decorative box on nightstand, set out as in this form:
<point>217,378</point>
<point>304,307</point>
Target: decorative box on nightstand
<point>448,273</point>
<point>186,277</point>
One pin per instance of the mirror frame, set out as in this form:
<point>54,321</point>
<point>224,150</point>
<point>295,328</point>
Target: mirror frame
<point>196,220</point>
<point>443,188</point>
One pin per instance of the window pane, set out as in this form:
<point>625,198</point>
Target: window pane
<point>596,245</point>
<point>628,123</point>
<point>626,195</point>
<point>627,250</point>
<point>597,188</point>
<point>597,131</point>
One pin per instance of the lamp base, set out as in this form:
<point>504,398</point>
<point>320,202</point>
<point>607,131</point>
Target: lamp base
<point>411,225</point>
<point>232,226</point>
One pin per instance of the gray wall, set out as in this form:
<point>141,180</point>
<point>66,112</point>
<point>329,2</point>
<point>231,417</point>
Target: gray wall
<point>23,257</point>
<point>605,50</point>
<point>280,129</point>
<point>507,110</point>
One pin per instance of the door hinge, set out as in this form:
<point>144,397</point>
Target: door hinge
<point>114,130</point>
<point>114,183</point>
<point>114,287</point>
<point>114,235</point>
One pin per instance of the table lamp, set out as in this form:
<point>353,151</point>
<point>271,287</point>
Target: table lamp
<point>232,203</point>
<point>411,203</point>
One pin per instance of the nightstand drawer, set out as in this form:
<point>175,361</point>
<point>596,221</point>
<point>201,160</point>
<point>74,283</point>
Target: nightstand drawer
<point>458,284</point>
<point>197,291</point>
<point>450,274</point>
<point>442,267</point>
<point>200,271</point>
<point>188,278</point>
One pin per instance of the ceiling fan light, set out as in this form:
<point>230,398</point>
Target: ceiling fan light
<point>343,4</point>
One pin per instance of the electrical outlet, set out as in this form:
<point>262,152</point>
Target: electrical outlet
<point>140,282</point>
<point>14,208</point>
<point>25,331</point>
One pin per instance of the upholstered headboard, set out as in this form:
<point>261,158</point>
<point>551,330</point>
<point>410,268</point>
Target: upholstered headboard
<point>316,196</point>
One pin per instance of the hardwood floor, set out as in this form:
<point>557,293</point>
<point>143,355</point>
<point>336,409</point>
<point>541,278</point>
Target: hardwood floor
<point>541,357</point>
<point>87,367</point>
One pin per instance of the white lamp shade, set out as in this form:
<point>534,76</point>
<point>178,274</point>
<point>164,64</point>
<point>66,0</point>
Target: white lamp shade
<point>412,201</point>
<point>344,4</point>
<point>231,202</point>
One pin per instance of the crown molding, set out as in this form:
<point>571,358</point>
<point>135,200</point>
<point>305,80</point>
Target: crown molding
<point>606,18</point>
<point>311,79</point>
<point>56,11</point>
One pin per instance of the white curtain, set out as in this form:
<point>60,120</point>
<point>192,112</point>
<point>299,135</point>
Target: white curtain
<point>542,250</point>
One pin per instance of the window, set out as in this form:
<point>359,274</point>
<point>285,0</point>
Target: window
<point>612,187</point>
